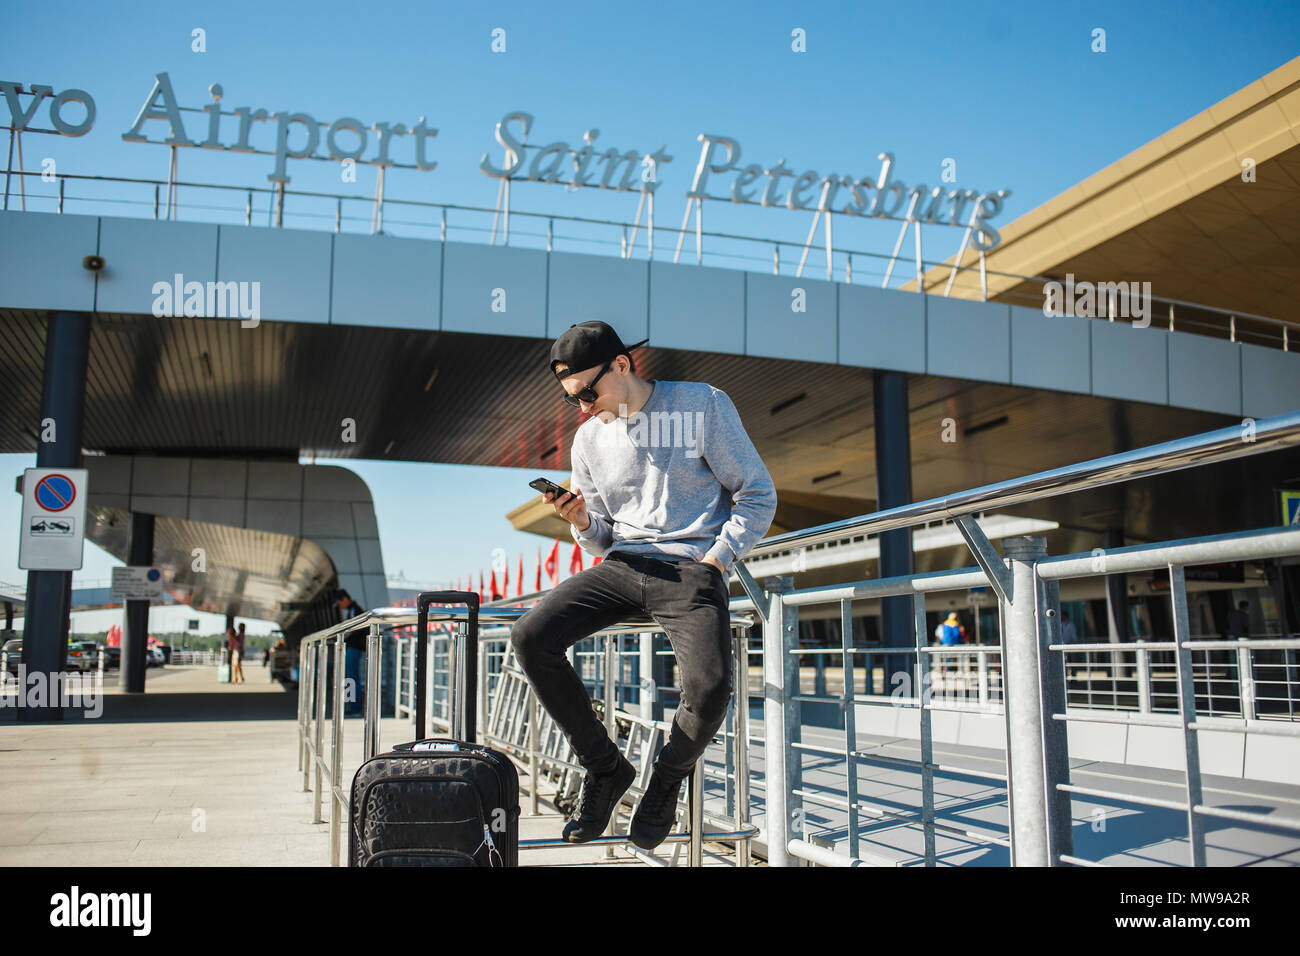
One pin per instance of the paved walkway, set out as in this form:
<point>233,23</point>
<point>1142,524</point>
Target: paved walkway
<point>192,773</point>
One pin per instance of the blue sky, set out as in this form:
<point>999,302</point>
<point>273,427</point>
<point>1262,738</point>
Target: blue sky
<point>1012,92</point>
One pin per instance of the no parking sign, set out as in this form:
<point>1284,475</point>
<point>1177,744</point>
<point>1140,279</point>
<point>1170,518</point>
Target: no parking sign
<point>54,519</point>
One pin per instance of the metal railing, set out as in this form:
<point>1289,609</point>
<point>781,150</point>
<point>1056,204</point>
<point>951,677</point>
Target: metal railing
<point>324,761</point>
<point>327,210</point>
<point>1022,680</point>
<point>1032,659</point>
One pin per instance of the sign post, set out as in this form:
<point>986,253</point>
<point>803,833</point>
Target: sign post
<point>53,524</point>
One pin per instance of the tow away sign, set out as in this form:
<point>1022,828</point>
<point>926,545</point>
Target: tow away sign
<point>54,519</point>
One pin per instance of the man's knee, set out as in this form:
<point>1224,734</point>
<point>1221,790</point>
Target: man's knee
<point>527,638</point>
<point>711,701</point>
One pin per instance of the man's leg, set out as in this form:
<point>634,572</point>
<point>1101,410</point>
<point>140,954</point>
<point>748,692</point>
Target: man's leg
<point>690,604</point>
<point>587,602</point>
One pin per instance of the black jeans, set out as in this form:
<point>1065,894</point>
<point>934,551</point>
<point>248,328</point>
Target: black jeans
<point>688,600</point>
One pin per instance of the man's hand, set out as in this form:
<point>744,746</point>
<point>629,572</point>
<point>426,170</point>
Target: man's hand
<point>572,507</point>
<point>708,559</point>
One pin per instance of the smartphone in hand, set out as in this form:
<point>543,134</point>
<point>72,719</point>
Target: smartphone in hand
<point>543,485</point>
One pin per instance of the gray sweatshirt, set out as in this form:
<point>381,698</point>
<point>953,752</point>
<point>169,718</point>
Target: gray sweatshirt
<point>678,480</point>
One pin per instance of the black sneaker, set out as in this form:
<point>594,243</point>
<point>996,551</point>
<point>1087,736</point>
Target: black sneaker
<point>601,793</point>
<point>657,811</point>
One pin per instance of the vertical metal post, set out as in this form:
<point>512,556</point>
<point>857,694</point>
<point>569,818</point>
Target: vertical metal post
<point>646,661</point>
<point>373,696</point>
<point>848,698</point>
<point>480,698</point>
<point>338,215</point>
<point>740,738</point>
<point>920,273</point>
<point>611,726</point>
<point>830,274</point>
<point>306,681</point>
<point>699,231</point>
<point>156,195</point>
<point>248,210</point>
<point>1022,700</point>
<point>534,743</point>
<point>454,671</point>
<point>927,736</point>
<point>336,748</point>
<point>780,721</point>
<point>695,814</point>
<point>1056,744</point>
<point>319,648</point>
<point>1144,680</point>
<point>1245,680</point>
<point>9,167</point>
<point>1187,712</point>
<point>550,235</point>
<point>984,280</point>
<point>62,183</point>
<point>443,232</point>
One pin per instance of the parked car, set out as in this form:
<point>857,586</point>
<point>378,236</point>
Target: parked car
<point>112,657</point>
<point>90,651</point>
<point>14,650</point>
<point>79,659</point>
<point>155,657</point>
<point>284,665</point>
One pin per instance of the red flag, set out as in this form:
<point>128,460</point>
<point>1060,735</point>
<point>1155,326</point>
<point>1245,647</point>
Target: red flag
<point>480,587</point>
<point>519,587</point>
<point>492,585</point>
<point>575,559</point>
<point>538,586</point>
<point>505,581</point>
<point>553,563</point>
<point>596,560</point>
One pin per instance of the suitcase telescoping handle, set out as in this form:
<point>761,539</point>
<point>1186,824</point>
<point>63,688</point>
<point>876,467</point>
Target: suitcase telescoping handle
<point>470,681</point>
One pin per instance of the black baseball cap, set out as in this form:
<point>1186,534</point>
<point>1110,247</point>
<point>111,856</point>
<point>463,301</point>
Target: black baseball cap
<point>587,345</point>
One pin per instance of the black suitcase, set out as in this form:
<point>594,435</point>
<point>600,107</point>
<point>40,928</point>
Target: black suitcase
<point>437,801</point>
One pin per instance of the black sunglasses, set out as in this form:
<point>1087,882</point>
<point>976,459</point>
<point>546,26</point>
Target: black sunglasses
<point>587,394</point>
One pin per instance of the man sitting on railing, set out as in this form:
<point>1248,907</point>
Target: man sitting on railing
<point>670,517</point>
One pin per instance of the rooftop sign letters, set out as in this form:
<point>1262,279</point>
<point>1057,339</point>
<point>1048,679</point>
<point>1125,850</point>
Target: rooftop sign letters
<point>719,172</point>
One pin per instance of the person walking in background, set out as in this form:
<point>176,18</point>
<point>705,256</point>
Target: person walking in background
<point>951,631</point>
<point>356,654</point>
<point>1068,633</point>
<point>237,658</point>
<point>1239,621</point>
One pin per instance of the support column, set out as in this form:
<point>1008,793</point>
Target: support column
<point>1027,778</point>
<point>49,593</point>
<point>135,627</point>
<point>894,488</point>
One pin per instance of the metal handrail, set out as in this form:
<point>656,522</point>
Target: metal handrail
<point>328,774</point>
<point>1224,444</point>
<point>950,265</point>
<point>1031,659</point>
